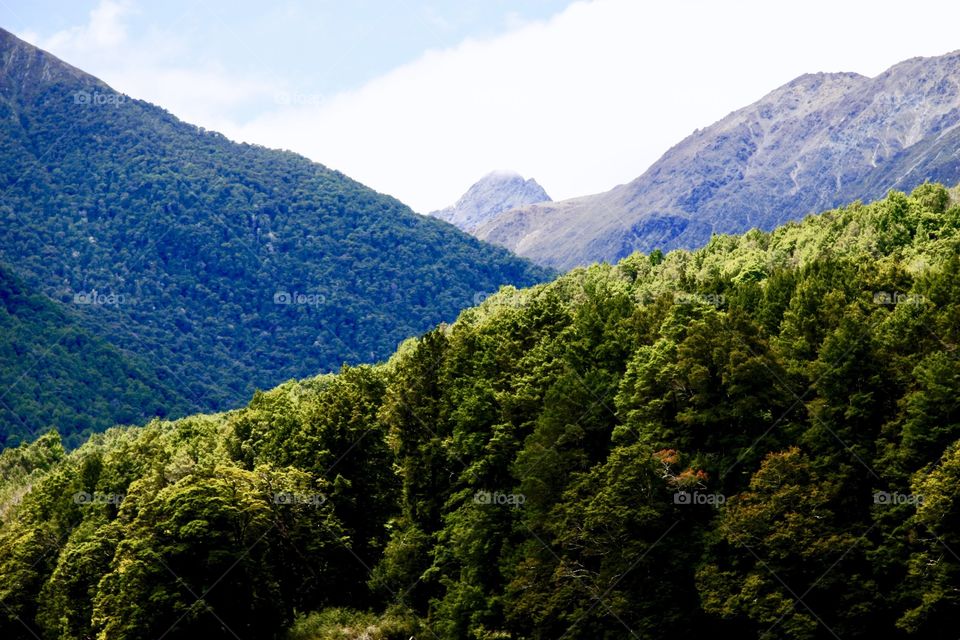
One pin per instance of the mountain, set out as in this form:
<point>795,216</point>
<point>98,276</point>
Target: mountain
<point>54,372</point>
<point>814,143</point>
<point>231,266</point>
<point>493,194</point>
<point>755,439</point>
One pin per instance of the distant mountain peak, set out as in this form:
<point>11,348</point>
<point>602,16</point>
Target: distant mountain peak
<point>496,192</point>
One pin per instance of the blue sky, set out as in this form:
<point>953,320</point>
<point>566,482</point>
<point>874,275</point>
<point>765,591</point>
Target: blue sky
<point>323,47</point>
<point>419,99</point>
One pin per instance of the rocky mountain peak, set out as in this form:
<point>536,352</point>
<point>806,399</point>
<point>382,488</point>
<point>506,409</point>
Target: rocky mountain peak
<point>494,193</point>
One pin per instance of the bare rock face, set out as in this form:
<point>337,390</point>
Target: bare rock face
<point>812,144</point>
<point>26,70</point>
<point>493,194</point>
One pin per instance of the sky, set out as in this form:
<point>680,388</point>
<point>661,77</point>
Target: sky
<point>419,99</point>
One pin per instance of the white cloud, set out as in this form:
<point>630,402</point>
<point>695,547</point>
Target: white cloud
<point>104,30</point>
<point>156,66</point>
<point>581,102</point>
<point>590,98</point>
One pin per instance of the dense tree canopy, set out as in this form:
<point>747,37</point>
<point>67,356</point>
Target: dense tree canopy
<point>55,372</point>
<point>755,439</point>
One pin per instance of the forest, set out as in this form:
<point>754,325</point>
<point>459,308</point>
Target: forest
<point>55,371</point>
<point>218,267</point>
<point>757,439</point>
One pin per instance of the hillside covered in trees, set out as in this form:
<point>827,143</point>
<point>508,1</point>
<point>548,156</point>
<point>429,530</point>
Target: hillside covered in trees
<point>758,439</point>
<point>228,267</point>
<point>54,371</point>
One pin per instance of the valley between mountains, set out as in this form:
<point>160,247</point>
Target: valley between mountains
<point>243,395</point>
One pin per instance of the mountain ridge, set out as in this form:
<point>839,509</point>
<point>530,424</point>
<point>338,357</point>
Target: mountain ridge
<point>815,142</point>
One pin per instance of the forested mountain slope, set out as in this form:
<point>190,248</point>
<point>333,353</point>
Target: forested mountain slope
<point>56,373</point>
<point>759,438</point>
<point>233,266</point>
